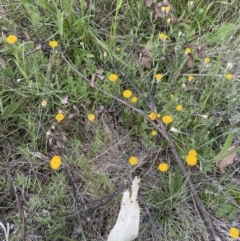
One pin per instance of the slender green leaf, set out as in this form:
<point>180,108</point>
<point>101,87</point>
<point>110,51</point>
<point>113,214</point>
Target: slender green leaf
<point>10,109</point>
<point>218,158</point>
<point>60,22</point>
<point>221,34</point>
<point>226,145</point>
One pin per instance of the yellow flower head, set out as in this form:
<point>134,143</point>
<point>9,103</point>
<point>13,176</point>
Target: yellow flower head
<point>163,8</point>
<point>192,152</point>
<point>134,99</point>
<point>113,77</point>
<point>43,103</point>
<point>168,9</point>
<point>153,116</point>
<point>206,60</point>
<point>55,162</point>
<point>191,160</point>
<point>91,117</point>
<point>158,115</point>
<point>53,44</point>
<point>179,107</point>
<point>191,3</point>
<point>158,77</point>
<point>190,77</point>
<point>154,133</point>
<point>169,20</point>
<point>59,117</point>
<point>188,51</point>
<point>127,94</point>
<point>163,167</point>
<point>133,161</point>
<point>229,76</point>
<point>171,95</point>
<point>234,232</point>
<point>167,119</point>
<point>162,36</point>
<point>12,39</point>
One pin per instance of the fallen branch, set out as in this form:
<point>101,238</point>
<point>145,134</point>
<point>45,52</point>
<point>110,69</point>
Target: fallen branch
<point>154,228</point>
<point>161,128</point>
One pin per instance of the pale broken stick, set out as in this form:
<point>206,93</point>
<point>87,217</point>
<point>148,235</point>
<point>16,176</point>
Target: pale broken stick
<point>127,225</point>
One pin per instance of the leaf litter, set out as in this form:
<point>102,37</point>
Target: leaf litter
<point>146,56</point>
<point>228,160</point>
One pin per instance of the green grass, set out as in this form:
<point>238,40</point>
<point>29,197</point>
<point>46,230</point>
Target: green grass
<point>109,36</point>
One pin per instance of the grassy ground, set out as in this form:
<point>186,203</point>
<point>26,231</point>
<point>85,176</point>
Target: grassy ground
<point>99,38</point>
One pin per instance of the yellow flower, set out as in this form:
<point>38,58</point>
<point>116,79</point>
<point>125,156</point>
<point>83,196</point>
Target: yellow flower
<point>55,162</point>
<point>171,95</point>
<point>133,161</point>
<point>12,39</point>
<point>163,167</point>
<point>53,44</point>
<point>234,232</point>
<point>167,9</point>
<point>188,51</point>
<point>158,77</point>
<point>179,107</point>
<point>127,94</point>
<point>167,119</point>
<point>191,160</point>
<point>229,76</point>
<point>191,3</point>
<point>113,77</point>
<point>158,115</point>
<point>91,117</point>
<point>43,103</point>
<point>190,77</point>
<point>192,152</point>
<point>169,20</point>
<point>163,36</point>
<point>163,8</point>
<point>153,133</point>
<point>153,116</point>
<point>59,117</point>
<point>134,99</point>
<point>206,60</point>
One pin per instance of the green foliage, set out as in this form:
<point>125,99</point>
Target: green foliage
<point>99,38</point>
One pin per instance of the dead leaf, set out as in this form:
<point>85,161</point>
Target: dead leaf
<point>190,61</point>
<point>100,71</point>
<point>158,11</point>
<point>98,74</point>
<point>76,109</point>
<point>148,3</point>
<point>2,63</point>
<point>75,114</point>
<point>98,11</point>
<point>64,100</point>
<point>226,161</point>
<point>145,56</point>
<point>200,49</point>
<point>38,47</point>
